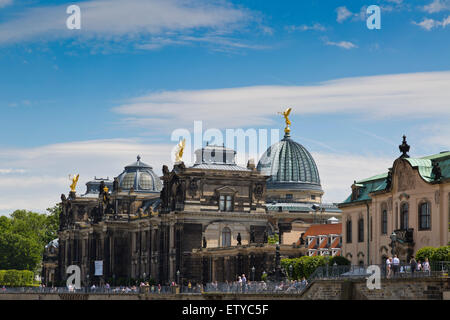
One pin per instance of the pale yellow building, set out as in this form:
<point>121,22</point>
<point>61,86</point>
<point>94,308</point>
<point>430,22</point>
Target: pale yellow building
<point>412,200</point>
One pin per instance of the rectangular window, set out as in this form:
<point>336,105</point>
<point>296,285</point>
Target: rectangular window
<point>424,216</point>
<point>229,203</point>
<point>222,203</point>
<point>288,196</point>
<point>361,230</point>
<point>349,231</point>
<point>384,222</point>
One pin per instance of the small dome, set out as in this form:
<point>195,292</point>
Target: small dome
<point>140,177</point>
<point>290,166</point>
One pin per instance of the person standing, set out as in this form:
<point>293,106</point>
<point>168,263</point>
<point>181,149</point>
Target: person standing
<point>388,267</point>
<point>413,265</point>
<point>426,266</point>
<point>395,264</point>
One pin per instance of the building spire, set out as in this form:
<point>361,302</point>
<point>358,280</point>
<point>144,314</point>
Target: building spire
<point>404,148</point>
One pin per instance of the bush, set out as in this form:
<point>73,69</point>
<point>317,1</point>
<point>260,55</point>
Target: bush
<point>16,278</point>
<point>303,266</point>
<point>441,254</point>
<point>339,260</point>
<point>425,252</point>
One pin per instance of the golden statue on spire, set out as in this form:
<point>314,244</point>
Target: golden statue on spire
<point>180,150</point>
<point>286,118</point>
<point>73,186</point>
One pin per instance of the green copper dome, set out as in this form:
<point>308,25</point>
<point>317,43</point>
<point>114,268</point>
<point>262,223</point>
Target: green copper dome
<point>290,166</point>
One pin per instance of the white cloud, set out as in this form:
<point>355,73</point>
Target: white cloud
<point>343,14</point>
<point>437,6</point>
<point>132,20</point>
<point>338,171</point>
<point>342,44</point>
<point>429,24</point>
<point>304,27</point>
<point>410,95</point>
<point>36,177</point>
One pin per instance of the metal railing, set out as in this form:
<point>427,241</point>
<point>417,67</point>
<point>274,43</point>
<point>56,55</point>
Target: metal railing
<point>436,270</point>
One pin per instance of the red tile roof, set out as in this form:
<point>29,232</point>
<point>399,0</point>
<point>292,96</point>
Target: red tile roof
<point>323,229</point>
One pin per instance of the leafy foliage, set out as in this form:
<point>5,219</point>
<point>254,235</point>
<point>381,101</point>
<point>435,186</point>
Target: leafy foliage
<point>425,252</point>
<point>23,237</point>
<point>16,278</point>
<point>441,254</point>
<point>303,266</point>
<point>339,260</point>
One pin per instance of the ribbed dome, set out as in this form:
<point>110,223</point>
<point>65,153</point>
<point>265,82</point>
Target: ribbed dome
<point>290,166</point>
<point>140,177</point>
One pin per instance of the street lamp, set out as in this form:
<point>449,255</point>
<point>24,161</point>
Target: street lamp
<point>393,237</point>
<point>178,277</point>
<point>87,277</point>
<point>290,270</point>
<point>114,279</point>
<point>253,273</point>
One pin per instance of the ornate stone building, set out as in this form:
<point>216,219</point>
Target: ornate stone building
<point>207,222</point>
<point>410,202</point>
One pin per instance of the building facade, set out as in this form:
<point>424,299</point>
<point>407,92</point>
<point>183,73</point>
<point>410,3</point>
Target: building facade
<point>400,211</point>
<point>208,222</point>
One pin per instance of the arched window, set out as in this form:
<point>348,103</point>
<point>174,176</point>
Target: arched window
<point>424,216</point>
<point>384,221</point>
<point>349,231</point>
<point>226,237</point>
<point>361,230</point>
<point>404,212</point>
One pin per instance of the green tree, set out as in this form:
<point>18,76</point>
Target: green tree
<point>23,236</point>
<point>339,260</point>
<point>441,254</point>
<point>425,252</point>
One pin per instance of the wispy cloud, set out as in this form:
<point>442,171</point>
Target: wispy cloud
<point>343,14</point>
<point>407,95</point>
<point>34,178</point>
<point>342,44</point>
<point>304,27</point>
<point>429,24</point>
<point>132,21</point>
<point>437,6</point>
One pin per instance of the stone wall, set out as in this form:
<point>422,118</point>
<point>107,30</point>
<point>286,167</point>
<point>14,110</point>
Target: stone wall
<point>392,289</point>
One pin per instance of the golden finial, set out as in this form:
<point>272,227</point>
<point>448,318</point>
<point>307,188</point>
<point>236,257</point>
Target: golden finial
<point>73,186</point>
<point>180,150</point>
<point>286,118</point>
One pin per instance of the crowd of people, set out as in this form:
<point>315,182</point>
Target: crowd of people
<point>394,268</point>
<point>243,285</point>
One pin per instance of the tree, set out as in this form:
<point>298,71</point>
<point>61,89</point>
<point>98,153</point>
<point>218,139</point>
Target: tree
<point>441,254</point>
<point>425,252</point>
<point>23,237</point>
<point>339,260</point>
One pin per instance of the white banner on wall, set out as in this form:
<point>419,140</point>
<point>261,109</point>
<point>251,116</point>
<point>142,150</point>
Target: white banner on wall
<point>98,268</point>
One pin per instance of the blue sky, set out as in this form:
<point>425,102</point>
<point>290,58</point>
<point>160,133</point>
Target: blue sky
<point>87,101</point>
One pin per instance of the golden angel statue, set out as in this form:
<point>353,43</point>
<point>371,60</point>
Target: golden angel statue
<point>286,118</point>
<point>73,186</point>
<point>180,150</point>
